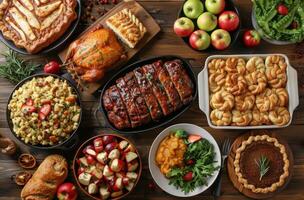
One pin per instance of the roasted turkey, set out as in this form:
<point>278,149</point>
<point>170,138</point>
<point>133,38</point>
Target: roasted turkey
<point>93,54</point>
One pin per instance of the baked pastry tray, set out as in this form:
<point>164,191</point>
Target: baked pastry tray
<point>204,93</point>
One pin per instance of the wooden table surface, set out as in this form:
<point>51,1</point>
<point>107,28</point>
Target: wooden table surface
<point>165,12</point>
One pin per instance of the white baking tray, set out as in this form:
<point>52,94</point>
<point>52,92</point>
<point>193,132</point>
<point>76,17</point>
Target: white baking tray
<point>291,87</point>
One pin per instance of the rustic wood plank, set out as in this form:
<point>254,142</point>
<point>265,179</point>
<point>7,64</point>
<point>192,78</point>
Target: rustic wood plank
<point>165,13</point>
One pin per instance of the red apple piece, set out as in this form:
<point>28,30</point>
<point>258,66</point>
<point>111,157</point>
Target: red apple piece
<point>92,188</point>
<point>98,144</point>
<point>114,154</point>
<point>131,156</point>
<point>109,147</point>
<point>83,161</point>
<point>123,144</point>
<point>102,157</point>
<point>84,178</point>
<point>108,139</point>
<point>104,192</point>
<point>107,171</point>
<point>132,176</point>
<point>117,165</point>
<point>132,166</point>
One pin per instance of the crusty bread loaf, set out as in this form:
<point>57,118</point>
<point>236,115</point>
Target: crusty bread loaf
<point>44,182</point>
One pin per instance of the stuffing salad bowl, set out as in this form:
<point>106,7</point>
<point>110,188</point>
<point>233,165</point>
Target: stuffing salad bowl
<point>184,160</point>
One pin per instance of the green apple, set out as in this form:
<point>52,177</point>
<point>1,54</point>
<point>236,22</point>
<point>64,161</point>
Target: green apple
<point>215,6</point>
<point>193,8</point>
<point>199,40</point>
<point>207,21</point>
<point>220,39</point>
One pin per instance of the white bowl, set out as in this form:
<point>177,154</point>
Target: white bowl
<point>161,180</point>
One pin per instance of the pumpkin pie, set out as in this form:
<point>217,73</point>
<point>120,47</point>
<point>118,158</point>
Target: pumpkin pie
<point>35,24</point>
<point>247,169</point>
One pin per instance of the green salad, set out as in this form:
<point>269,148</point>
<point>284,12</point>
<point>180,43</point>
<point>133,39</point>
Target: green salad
<point>281,20</point>
<point>199,163</point>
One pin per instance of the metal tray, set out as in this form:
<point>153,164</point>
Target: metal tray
<point>164,120</point>
<point>291,87</point>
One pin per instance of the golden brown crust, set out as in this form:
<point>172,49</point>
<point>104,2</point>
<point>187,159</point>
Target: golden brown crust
<point>127,26</point>
<point>220,118</point>
<point>36,30</point>
<point>237,167</point>
<point>50,174</point>
<point>251,90</point>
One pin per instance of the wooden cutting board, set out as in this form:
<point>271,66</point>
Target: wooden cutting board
<point>147,20</point>
<point>236,144</point>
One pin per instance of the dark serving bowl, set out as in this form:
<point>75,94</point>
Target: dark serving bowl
<point>66,144</point>
<point>56,44</point>
<point>233,34</point>
<point>164,120</point>
<point>79,153</point>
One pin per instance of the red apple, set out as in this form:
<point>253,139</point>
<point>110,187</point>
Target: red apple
<point>215,6</point>
<point>220,39</point>
<point>251,38</point>
<point>228,21</point>
<point>199,40</point>
<point>183,27</point>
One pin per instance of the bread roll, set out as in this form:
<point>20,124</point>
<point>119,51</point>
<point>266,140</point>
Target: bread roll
<point>50,174</point>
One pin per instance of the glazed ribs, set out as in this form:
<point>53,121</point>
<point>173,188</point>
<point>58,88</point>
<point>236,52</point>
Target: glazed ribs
<point>147,94</point>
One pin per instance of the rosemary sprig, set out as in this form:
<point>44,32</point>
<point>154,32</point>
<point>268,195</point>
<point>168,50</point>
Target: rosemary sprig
<point>15,69</point>
<point>263,164</point>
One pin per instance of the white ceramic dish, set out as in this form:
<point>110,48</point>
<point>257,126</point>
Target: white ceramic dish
<point>161,180</point>
<point>291,87</point>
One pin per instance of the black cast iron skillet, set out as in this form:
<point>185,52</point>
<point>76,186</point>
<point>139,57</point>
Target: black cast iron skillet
<point>233,34</point>
<point>70,142</point>
<point>56,44</point>
<point>164,120</point>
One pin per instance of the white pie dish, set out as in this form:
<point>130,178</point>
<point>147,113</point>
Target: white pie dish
<point>161,180</point>
<point>291,87</point>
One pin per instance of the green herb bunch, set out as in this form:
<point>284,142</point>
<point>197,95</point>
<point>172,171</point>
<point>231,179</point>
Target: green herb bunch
<point>15,69</point>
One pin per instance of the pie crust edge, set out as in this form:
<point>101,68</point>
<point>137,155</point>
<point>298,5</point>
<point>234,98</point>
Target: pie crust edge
<point>244,181</point>
<point>40,43</point>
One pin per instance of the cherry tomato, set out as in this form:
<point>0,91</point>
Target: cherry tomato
<point>29,102</point>
<point>282,9</point>
<point>52,67</point>
<point>251,38</point>
<point>67,191</point>
<point>188,176</point>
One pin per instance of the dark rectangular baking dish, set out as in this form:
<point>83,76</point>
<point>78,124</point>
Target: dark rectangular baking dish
<point>164,120</point>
